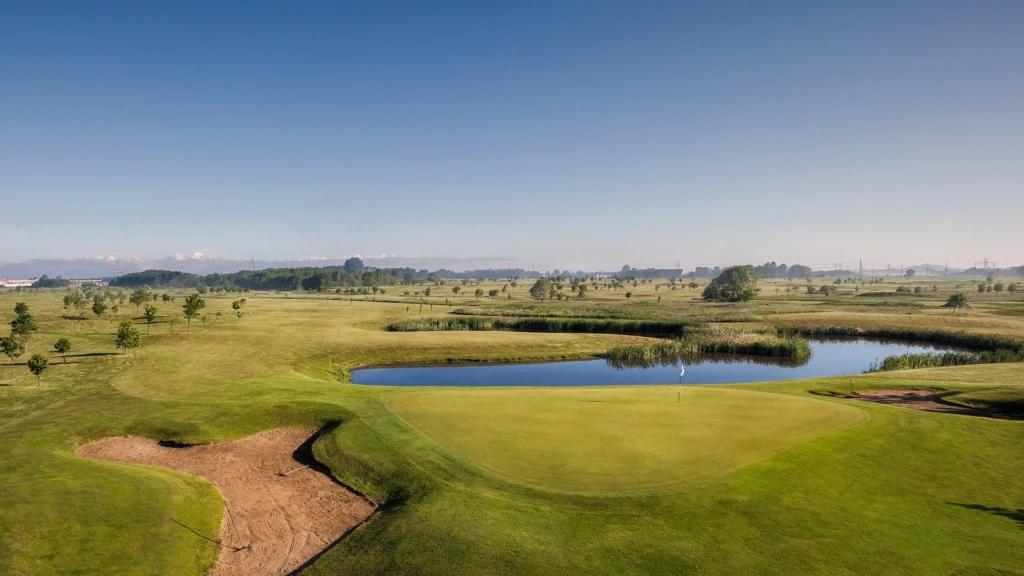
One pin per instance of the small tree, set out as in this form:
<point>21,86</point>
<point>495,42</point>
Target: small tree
<point>236,305</point>
<point>629,295</point>
<point>11,348</point>
<point>455,290</point>
<point>492,293</point>
<point>956,301</point>
<point>140,296</point>
<point>998,287</point>
<point>127,336</point>
<point>23,325</point>
<point>541,289</point>
<point>981,288</point>
<point>99,307</point>
<point>909,273</point>
<point>37,365</point>
<point>478,293</point>
<point>62,346</point>
<point>149,312</point>
<point>193,304</point>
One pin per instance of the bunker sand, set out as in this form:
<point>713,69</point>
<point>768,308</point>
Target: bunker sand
<point>921,400</point>
<point>284,520</point>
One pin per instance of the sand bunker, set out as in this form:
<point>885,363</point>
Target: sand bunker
<point>286,521</point>
<point>920,400</point>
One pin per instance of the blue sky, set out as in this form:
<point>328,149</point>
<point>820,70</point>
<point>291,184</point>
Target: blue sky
<point>567,134</point>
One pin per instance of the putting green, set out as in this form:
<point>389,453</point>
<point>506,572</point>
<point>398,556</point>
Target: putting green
<point>617,439</point>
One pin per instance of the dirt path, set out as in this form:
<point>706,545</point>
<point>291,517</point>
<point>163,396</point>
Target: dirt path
<point>920,400</point>
<point>286,520</point>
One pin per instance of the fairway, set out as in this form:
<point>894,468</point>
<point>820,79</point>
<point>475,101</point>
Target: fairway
<point>615,439</point>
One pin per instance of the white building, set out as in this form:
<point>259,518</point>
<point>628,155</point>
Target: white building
<point>17,283</point>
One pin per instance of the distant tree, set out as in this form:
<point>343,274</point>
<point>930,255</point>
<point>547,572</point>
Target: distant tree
<point>1012,287</point>
<point>193,304</point>
<point>127,336</point>
<point>99,306</point>
<point>165,297</point>
<point>998,287</point>
<point>956,301</point>
<point>23,325</point>
<point>981,287</point>
<point>541,289</point>
<point>62,346</point>
<point>236,305</point>
<point>149,313</point>
<point>139,296</point>
<point>734,284</point>
<point>504,288</point>
<point>629,295</point>
<point>989,279</point>
<point>353,265</point>
<point>37,365</point>
<point>478,293</point>
<point>917,290</point>
<point>455,289</point>
<point>988,288</point>
<point>812,290</point>
<point>426,292</point>
<point>693,285</point>
<point>492,293</point>
<point>11,348</point>
<point>909,273</point>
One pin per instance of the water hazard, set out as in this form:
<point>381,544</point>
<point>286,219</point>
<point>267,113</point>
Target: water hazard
<point>828,358</point>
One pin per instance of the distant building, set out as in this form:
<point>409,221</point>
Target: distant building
<point>17,283</point>
<point>79,282</point>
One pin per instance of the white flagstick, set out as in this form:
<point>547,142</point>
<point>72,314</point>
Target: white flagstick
<point>679,393</point>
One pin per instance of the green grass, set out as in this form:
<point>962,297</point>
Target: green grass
<point>614,439</point>
<point>905,492</point>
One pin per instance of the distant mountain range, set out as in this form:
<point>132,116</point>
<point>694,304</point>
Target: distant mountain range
<point>200,264</point>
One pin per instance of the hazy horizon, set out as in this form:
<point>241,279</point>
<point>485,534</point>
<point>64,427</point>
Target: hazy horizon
<point>579,135</point>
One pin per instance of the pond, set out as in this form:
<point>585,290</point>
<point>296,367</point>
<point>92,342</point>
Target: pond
<point>828,358</point>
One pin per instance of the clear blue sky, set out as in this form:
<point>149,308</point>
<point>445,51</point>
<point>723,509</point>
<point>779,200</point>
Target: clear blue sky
<point>569,134</point>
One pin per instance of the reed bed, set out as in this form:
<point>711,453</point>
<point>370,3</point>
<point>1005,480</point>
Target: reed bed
<point>709,341</point>
<point>961,338</point>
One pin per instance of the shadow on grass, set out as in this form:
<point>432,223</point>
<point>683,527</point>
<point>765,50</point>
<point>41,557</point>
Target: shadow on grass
<point>93,354</point>
<point>1014,515</point>
<point>207,538</point>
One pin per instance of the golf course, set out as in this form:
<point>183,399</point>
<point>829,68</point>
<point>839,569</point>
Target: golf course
<point>781,477</point>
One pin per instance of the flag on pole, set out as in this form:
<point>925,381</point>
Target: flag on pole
<point>682,370</point>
